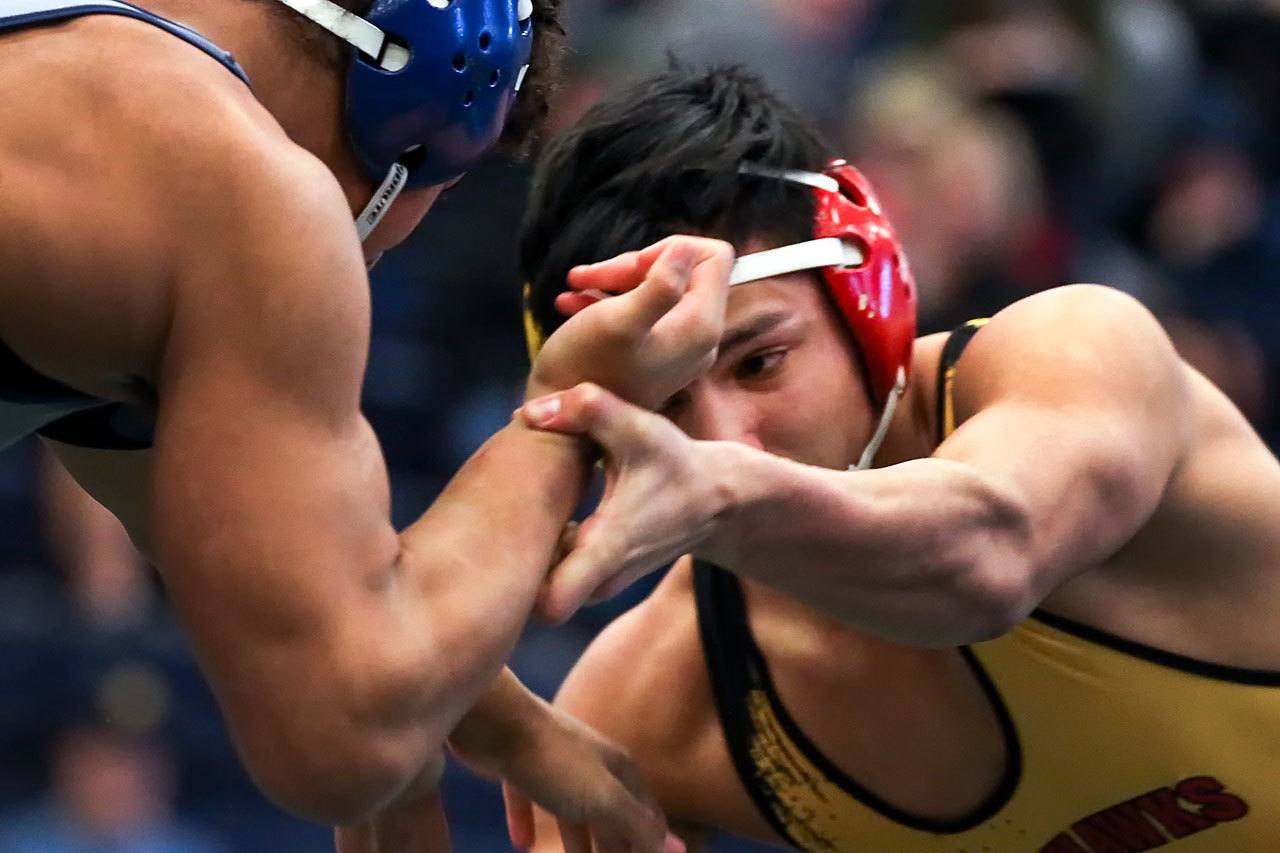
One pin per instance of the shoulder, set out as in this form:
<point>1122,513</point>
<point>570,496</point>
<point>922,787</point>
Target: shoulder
<point>140,149</point>
<point>1082,343</point>
<point>1093,317</point>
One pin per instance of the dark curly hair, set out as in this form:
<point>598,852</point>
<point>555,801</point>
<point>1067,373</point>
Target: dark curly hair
<point>661,157</point>
<point>526,120</point>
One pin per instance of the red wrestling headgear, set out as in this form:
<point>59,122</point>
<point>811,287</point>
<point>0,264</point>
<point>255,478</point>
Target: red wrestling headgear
<point>865,270</point>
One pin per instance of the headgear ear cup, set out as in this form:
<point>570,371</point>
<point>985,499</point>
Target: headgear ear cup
<point>448,104</point>
<point>877,298</point>
<point>874,292</point>
<point>431,82</point>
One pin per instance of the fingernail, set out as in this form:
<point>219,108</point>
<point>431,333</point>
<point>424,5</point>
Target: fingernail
<point>673,845</point>
<point>543,409</point>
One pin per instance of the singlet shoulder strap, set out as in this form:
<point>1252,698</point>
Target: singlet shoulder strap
<point>736,670</point>
<point>19,14</point>
<point>951,352</point>
<point>727,645</point>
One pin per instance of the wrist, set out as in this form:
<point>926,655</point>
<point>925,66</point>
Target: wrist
<point>730,495</point>
<point>501,726</point>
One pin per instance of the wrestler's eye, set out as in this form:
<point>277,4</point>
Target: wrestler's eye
<point>760,364</point>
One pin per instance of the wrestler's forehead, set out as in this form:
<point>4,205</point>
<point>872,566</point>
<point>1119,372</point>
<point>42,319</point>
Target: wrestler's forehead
<point>793,294</point>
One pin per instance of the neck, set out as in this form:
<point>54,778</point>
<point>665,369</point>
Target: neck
<point>291,75</point>
<point>913,432</point>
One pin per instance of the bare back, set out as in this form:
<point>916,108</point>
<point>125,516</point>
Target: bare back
<point>101,181</point>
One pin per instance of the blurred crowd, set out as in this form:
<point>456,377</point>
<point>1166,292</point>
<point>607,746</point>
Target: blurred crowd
<point>1018,144</point>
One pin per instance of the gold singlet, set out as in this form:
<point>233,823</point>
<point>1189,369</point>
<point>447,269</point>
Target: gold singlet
<point>1111,746</point>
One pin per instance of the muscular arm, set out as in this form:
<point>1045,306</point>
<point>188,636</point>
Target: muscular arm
<point>342,653</point>
<point>1070,405</point>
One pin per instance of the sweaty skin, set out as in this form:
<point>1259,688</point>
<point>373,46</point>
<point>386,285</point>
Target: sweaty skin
<point>168,234</point>
<point>1093,474</point>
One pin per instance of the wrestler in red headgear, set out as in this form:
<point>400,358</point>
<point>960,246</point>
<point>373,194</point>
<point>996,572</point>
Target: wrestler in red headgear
<point>1048,618</point>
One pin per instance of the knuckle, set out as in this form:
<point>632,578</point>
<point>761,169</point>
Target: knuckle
<point>590,397</point>
<point>722,251</point>
<point>665,283</point>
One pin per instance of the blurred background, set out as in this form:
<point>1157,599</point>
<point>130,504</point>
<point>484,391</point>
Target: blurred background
<point>1017,144</point>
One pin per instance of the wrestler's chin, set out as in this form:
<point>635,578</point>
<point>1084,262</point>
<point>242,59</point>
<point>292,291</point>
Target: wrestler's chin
<point>401,220</point>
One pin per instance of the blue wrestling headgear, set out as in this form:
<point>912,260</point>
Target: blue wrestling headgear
<point>430,84</point>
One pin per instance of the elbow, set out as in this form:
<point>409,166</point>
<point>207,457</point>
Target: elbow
<point>340,780</point>
<point>996,595</point>
<point>340,749</point>
<point>994,578</point>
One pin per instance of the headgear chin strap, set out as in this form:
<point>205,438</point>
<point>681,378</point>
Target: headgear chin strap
<point>865,271</point>
<point>383,198</point>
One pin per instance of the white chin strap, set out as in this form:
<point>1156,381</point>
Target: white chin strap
<point>381,202</point>
<point>374,44</point>
<point>882,429</point>
<point>356,31</point>
<point>814,254</point>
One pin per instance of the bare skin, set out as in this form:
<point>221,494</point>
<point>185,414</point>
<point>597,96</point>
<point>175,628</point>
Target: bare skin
<point>189,240</point>
<point>1093,474</point>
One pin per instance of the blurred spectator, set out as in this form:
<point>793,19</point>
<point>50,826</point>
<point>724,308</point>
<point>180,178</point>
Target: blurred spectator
<point>963,186</point>
<point>111,793</point>
<point>807,49</point>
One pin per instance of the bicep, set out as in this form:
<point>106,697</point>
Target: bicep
<point>1075,407</point>
<point>269,497</point>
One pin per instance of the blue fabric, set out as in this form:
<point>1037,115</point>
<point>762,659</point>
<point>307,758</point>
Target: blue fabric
<point>18,14</point>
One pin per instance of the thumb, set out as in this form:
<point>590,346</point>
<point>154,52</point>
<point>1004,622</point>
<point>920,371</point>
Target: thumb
<point>588,409</point>
<point>660,291</point>
<point>597,555</point>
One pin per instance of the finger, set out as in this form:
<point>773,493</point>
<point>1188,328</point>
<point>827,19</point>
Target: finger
<point>673,845</point>
<point>620,273</point>
<point>575,837</point>
<point>520,825</point>
<point>706,295</point>
<point>419,828</point>
<point>570,303</point>
<point>616,425</point>
<point>637,829</point>
<point>663,286</point>
<point>598,555</point>
<point>615,275</point>
<point>568,538</point>
<point>615,586</point>
<point>605,843</point>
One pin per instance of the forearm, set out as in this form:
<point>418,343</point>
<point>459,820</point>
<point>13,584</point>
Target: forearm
<point>342,683</point>
<point>926,552</point>
<point>502,720</point>
<point>478,556</point>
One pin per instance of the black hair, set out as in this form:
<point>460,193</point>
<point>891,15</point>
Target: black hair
<point>529,115</point>
<point>660,157</point>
